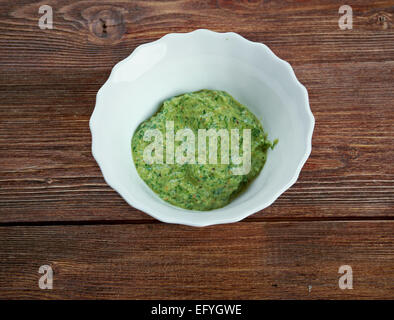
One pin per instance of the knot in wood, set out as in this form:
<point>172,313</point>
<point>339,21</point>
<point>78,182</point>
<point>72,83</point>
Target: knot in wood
<point>108,25</point>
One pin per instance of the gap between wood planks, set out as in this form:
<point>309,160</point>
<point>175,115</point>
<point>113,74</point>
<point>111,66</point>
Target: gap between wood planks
<point>148,221</point>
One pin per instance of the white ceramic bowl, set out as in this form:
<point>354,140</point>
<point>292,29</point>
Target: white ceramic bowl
<point>202,59</point>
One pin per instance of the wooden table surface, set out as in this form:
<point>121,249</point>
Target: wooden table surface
<point>56,209</point>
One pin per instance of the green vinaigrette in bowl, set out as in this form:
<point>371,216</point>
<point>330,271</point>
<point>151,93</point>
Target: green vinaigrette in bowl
<point>200,149</point>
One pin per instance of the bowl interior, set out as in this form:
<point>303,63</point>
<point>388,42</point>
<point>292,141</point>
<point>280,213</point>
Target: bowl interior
<point>180,64</point>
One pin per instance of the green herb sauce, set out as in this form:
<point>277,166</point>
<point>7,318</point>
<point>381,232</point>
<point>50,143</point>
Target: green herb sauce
<point>200,186</point>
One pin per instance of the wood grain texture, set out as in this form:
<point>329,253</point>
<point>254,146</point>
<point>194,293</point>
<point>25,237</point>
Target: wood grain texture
<point>50,79</point>
<point>47,172</point>
<point>298,31</point>
<point>255,260</point>
<point>55,207</point>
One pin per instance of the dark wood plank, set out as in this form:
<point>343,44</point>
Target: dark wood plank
<point>49,80</point>
<point>92,34</point>
<point>256,260</point>
<point>47,172</point>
